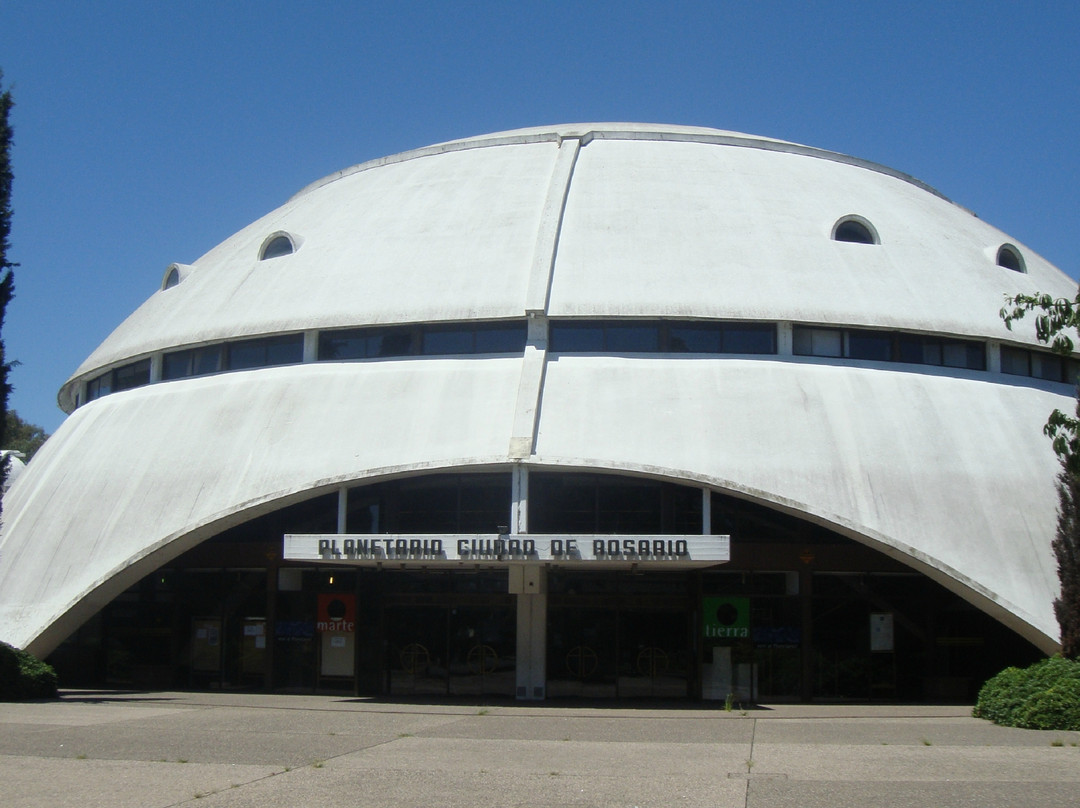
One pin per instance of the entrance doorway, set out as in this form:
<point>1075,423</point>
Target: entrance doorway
<point>461,648</point>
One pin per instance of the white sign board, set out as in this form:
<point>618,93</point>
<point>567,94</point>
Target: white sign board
<point>489,548</point>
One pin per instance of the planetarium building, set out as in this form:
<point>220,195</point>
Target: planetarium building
<point>606,410</point>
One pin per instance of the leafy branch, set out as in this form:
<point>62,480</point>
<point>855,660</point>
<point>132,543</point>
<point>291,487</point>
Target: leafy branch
<point>1055,319</point>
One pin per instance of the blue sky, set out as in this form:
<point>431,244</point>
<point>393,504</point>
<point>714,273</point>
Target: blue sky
<point>147,132</point>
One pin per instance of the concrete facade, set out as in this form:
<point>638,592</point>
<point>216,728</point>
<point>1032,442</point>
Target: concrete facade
<point>944,469</point>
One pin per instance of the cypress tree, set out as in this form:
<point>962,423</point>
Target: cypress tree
<point>1066,547</point>
<point>7,276</point>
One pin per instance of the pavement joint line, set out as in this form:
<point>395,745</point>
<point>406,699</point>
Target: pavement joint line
<point>339,704</point>
<point>230,788</point>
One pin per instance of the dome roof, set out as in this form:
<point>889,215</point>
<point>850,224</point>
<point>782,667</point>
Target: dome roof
<point>939,465</point>
<point>631,220</point>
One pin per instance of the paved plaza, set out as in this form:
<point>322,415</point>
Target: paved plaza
<point>151,750</point>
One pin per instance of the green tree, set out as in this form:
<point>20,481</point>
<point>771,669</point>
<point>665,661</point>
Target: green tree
<point>1056,320</point>
<point>7,276</point>
<point>21,436</point>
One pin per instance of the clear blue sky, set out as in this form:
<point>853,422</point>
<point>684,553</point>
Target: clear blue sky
<point>147,132</point>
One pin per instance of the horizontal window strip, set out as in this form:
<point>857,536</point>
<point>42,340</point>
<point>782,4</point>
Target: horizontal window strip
<point>661,336</point>
<point>449,339</point>
<point>889,346</point>
<point>608,336</point>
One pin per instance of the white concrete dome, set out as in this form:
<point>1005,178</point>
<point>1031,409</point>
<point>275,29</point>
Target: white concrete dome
<point>940,465</point>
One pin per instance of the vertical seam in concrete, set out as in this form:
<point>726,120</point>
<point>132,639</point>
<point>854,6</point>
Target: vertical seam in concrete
<point>534,361</point>
<point>550,229</point>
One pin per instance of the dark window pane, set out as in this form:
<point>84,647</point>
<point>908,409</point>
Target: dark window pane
<point>749,339</point>
<point>628,506</point>
<point>694,338</point>
<point>577,337</point>
<point>1047,366</point>
<point>976,356</point>
<point>509,338</point>
<point>682,509</point>
<point>933,353</point>
<point>391,343</point>
<point>101,386</point>
<point>206,360</point>
<point>916,350</point>
<point>1072,371</point>
<point>485,504</point>
<point>869,345</point>
<point>134,375</point>
<point>632,338</point>
<point>342,345</point>
<point>562,503</point>
<point>428,506</point>
<point>176,365</point>
<point>248,354</point>
<point>285,350</point>
<point>817,341</point>
<point>448,341</point>
<point>1014,361</point>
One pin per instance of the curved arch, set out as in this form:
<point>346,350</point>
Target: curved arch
<point>872,455</point>
<point>978,595</point>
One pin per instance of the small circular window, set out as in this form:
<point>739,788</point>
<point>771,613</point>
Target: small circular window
<point>276,246</point>
<point>855,230</point>
<point>1010,258</point>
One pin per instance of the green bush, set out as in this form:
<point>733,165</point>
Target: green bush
<point>24,676</point>
<point>1043,696</point>
<point>1056,708</point>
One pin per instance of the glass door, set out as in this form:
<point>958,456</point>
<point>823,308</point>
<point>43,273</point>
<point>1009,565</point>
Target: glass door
<point>654,653</point>
<point>482,650</point>
<point>581,652</point>
<point>416,652</point>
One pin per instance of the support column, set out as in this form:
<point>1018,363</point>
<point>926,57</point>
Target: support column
<point>342,508</point>
<point>519,493</point>
<point>806,593</point>
<point>529,583</point>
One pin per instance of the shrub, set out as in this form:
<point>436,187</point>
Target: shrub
<point>1043,696</point>
<point>24,676</point>
<point>1056,708</point>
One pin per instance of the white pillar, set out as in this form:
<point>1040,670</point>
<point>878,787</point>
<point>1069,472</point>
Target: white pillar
<point>529,583</point>
<point>519,494</point>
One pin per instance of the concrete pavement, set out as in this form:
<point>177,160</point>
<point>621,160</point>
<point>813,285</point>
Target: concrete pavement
<point>153,750</point>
